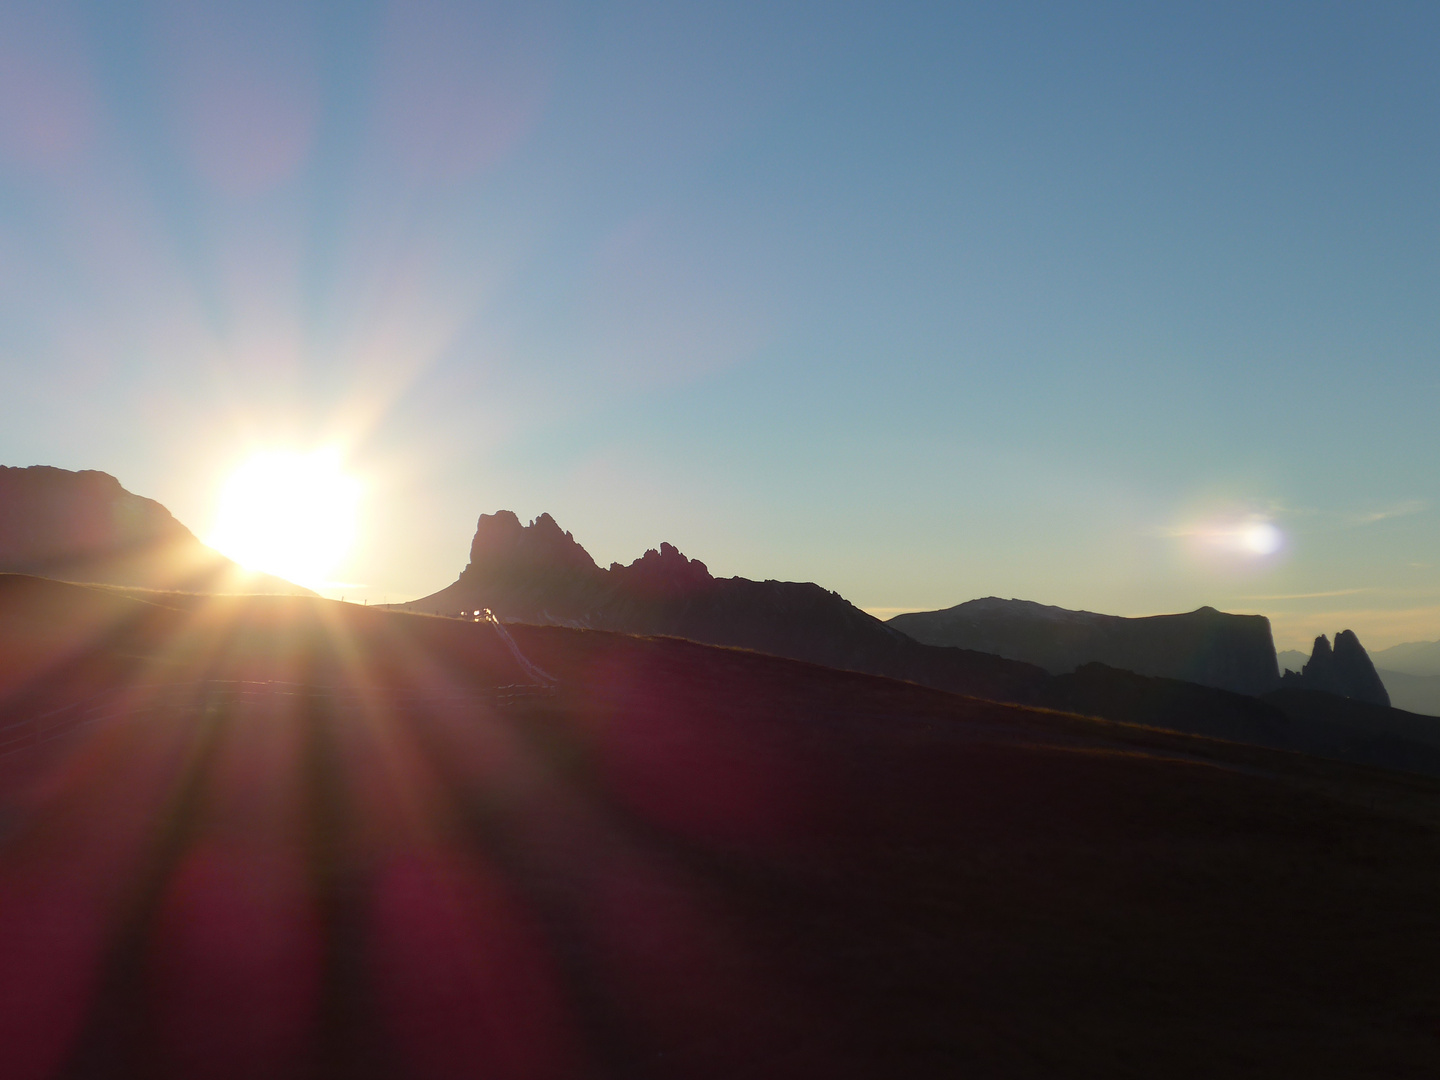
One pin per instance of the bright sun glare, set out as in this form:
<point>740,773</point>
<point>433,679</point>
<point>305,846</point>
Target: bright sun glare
<point>288,514</point>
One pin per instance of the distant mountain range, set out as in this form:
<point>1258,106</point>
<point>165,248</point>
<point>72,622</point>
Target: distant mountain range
<point>539,574</point>
<point>1209,647</point>
<point>1203,672</point>
<point>1413,693</point>
<point>83,526</point>
<point>1413,658</point>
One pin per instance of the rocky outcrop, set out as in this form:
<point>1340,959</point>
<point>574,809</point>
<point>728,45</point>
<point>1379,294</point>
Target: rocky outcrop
<point>83,526</point>
<point>537,573</point>
<point>1209,647</point>
<point>1345,671</point>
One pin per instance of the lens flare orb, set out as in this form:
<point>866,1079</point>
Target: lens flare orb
<point>1239,543</point>
<point>290,514</point>
<point>1260,538</point>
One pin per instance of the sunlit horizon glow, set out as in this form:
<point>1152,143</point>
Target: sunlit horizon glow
<point>289,514</point>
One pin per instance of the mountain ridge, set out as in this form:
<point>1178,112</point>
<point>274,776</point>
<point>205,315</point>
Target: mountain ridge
<point>85,526</point>
<point>539,573</point>
<point>1410,658</point>
<point>1204,646</point>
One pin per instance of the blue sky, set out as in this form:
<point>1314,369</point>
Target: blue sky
<point>920,302</point>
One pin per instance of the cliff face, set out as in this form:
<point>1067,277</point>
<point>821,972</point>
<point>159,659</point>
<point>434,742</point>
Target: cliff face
<point>1209,647</point>
<point>1345,670</point>
<point>537,573</point>
<point>83,526</point>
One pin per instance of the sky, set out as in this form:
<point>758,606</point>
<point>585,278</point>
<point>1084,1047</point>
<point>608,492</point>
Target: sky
<point>1124,307</point>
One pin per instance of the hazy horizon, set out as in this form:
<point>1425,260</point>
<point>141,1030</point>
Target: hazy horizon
<point>1122,309</point>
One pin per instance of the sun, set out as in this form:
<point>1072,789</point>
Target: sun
<point>288,514</point>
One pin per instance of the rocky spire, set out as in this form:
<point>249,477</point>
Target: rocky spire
<point>502,542</point>
<point>1357,671</point>
<point>1345,670</point>
<point>666,571</point>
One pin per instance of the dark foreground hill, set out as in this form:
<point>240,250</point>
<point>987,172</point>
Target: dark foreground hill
<point>83,526</point>
<point>537,573</point>
<point>1209,647</point>
<point>282,837</point>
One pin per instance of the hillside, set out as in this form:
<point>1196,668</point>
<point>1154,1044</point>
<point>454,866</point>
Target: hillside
<point>685,861</point>
<point>83,526</point>
<point>1209,647</point>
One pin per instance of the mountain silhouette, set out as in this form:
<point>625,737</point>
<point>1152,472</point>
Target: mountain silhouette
<point>1345,670</point>
<point>1209,647</point>
<point>83,526</point>
<point>538,573</point>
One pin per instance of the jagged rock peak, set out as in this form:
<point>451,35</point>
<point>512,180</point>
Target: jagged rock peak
<point>664,570</point>
<point>1348,647</point>
<point>503,544</point>
<point>500,539</point>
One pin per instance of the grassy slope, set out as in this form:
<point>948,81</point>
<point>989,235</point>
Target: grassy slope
<point>689,862</point>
